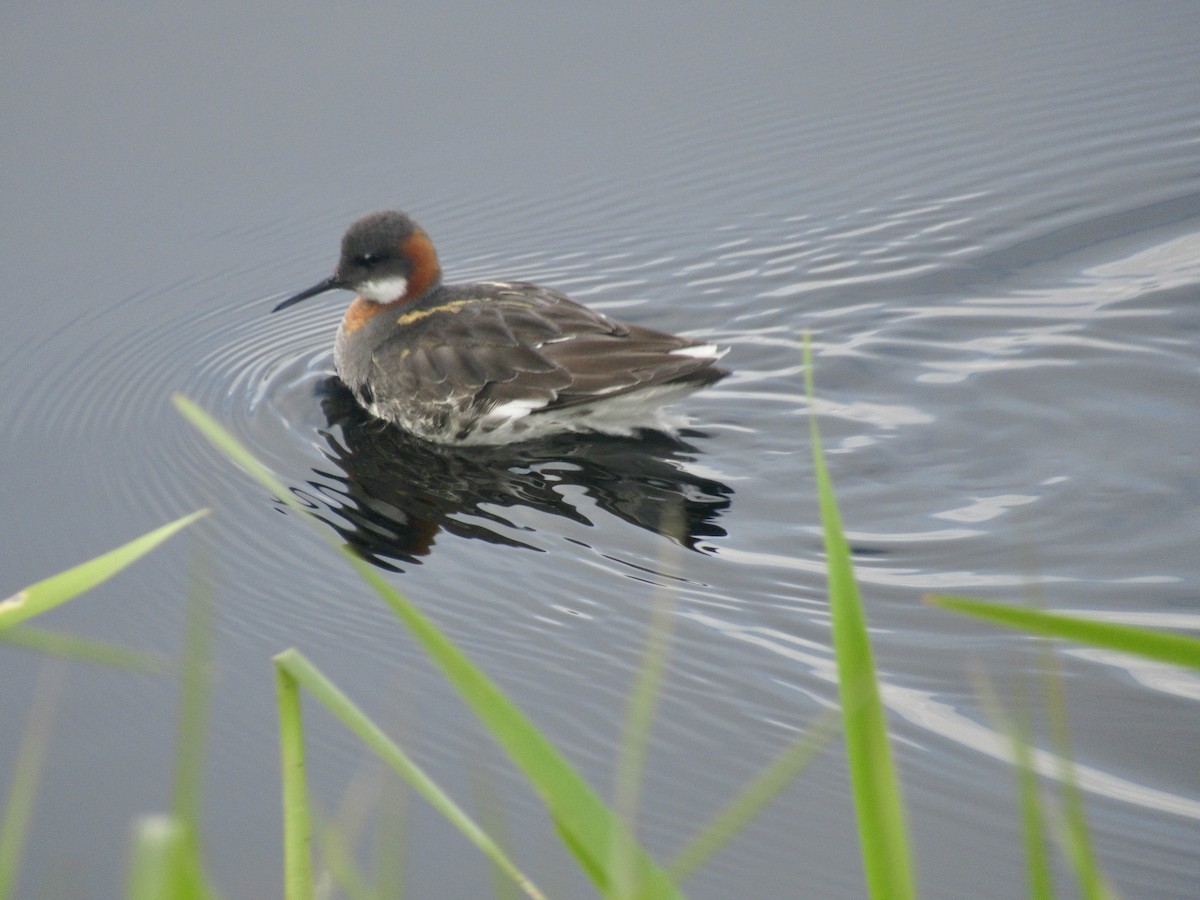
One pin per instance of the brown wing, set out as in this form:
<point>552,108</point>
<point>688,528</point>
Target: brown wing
<point>528,344</point>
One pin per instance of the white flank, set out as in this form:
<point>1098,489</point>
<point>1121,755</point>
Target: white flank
<point>512,421</point>
<point>511,411</point>
<point>701,351</point>
<point>384,290</point>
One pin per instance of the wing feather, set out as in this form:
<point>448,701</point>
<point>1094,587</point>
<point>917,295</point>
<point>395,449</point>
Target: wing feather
<point>530,347</point>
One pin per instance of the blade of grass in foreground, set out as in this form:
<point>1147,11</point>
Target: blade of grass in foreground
<point>587,826</point>
<point>343,867</point>
<point>27,773</point>
<point>878,807</point>
<point>639,716</point>
<point>194,690</point>
<point>68,646</point>
<point>391,838</point>
<point>762,790</point>
<point>297,816</point>
<point>1161,646</point>
<point>342,831</point>
<point>58,589</point>
<point>161,862</point>
<point>292,664</point>
<point>1074,833</point>
<point>1037,860</point>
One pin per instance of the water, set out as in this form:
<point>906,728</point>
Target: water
<point>989,220</point>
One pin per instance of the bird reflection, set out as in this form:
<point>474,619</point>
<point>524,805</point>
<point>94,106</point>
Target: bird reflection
<point>390,494</point>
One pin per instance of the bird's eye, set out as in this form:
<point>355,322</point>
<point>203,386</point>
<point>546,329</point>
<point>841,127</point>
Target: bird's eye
<point>366,260</point>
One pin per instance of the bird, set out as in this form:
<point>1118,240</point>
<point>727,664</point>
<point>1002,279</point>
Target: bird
<point>492,362</point>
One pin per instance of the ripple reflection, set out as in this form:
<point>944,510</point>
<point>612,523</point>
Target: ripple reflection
<point>389,494</point>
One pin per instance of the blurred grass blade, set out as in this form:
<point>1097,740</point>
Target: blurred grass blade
<point>878,807</point>
<point>1161,646</point>
<point>27,774</point>
<point>232,447</point>
<point>297,817</point>
<point>586,825</point>
<point>631,757</point>
<point>1040,876</point>
<point>163,866</point>
<point>57,589</point>
<point>154,873</point>
<point>296,667</point>
<point>342,865</point>
<point>160,868</point>
<point>194,685</point>
<point>344,830</point>
<point>77,649</point>
<point>1075,834</point>
<point>391,839</point>
<point>392,800</point>
<point>486,796</point>
<point>762,790</point>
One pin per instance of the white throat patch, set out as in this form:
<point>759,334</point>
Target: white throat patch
<point>384,290</point>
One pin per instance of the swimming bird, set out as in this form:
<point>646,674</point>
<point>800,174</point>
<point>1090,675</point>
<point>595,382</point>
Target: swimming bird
<point>492,362</point>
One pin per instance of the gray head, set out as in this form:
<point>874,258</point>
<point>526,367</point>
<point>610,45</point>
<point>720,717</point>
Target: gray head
<point>386,257</point>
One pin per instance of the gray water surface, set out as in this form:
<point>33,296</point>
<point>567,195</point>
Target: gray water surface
<point>987,217</point>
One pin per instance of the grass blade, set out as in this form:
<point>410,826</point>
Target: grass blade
<point>302,672</point>
<point>586,825</point>
<point>232,448</point>
<point>160,868</point>
<point>154,872</point>
<point>57,589</point>
<point>1074,833</point>
<point>1040,876</point>
<point>194,690</point>
<point>631,758</point>
<point>762,790</point>
<point>27,774</point>
<point>342,866</point>
<point>77,649</point>
<point>391,843</point>
<point>1161,646</point>
<point>486,796</point>
<point>878,806</point>
<point>297,816</point>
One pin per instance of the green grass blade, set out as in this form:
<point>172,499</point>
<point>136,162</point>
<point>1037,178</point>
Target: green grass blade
<point>586,825</point>
<point>27,775</point>
<point>154,873</point>
<point>1075,834</point>
<point>631,758</point>
<point>57,589</point>
<point>162,866</point>
<point>342,865</point>
<point>77,649</point>
<point>784,769</point>
<point>297,816</point>
<point>878,806</point>
<point>1037,860</point>
<point>304,673</point>
<point>584,822</point>
<point>486,796</point>
<point>232,447</point>
<point>1160,646</point>
<point>391,839</point>
<point>344,831</point>
<point>1040,876</point>
<point>194,691</point>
